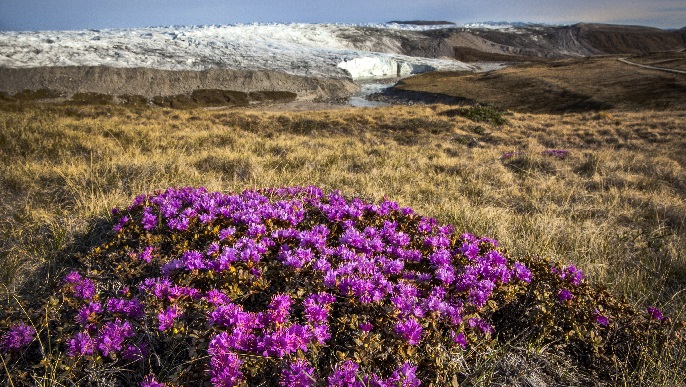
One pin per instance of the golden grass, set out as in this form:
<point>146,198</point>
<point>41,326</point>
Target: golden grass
<point>616,206</point>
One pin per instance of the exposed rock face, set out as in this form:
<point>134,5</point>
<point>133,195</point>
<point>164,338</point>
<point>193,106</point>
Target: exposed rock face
<point>152,83</point>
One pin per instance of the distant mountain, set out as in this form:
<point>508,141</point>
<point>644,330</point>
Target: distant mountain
<point>423,22</point>
<point>502,24</point>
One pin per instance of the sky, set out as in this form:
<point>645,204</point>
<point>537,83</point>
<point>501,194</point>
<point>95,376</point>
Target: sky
<point>31,15</point>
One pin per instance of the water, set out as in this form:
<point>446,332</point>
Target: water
<point>359,99</point>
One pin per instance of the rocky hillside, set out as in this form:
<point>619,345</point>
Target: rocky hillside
<point>528,42</point>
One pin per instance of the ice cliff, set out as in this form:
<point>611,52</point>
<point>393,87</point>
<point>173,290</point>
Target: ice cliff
<point>313,50</point>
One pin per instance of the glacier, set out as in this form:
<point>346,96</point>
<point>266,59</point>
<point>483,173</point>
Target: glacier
<point>313,50</point>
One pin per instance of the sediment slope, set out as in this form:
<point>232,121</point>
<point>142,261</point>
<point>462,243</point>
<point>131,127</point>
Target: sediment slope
<point>154,82</point>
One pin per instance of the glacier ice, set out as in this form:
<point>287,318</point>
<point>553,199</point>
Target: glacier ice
<point>314,50</point>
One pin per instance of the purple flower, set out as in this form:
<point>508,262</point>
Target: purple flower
<point>470,250</point>
<point>600,319</point>
<point>559,153</point>
<point>321,334</point>
<point>225,366</point>
<point>18,337</point>
<point>87,312</point>
<point>410,330</point>
<point>481,324</point>
<point>445,274</point>
<point>124,219</point>
<point>521,272</point>
<point>459,339</point>
<point>170,266</point>
<point>81,344</point>
<point>508,155</point>
<point>564,295</point>
<point>112,335</point>
<point>227,232</point>
<point>344,375</point>
<point>216,297</point>
<point>366,326</point>
<point>405,376</point>
<point>80,287</point>
<point>129,308</point>
<point>146,254</point>
<point>655,313</point>
<point>150,381</point>
<point>571,274</point>
<point>315,313</point>
<point>193,260</point>
<point>166,317</point>
<point>149,220</point>
<point>298,374</point>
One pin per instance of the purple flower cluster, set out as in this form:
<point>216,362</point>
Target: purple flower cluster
<point>80,287</point>
<point>167,316</point>
<point>410,330</point>
<point>509,155</point>
<point>109,339</point>
<point>298,374</point>
<point>379,255</point>
<point>129,308</point>
<point>18,337</point>
<point>225,365</point>
<point>88,312</point>
<point>571,274</point>
<point>346,374</point>
<point>270,333</point>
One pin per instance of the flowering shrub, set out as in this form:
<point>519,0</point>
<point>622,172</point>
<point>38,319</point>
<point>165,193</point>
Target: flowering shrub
<point>293,287</point>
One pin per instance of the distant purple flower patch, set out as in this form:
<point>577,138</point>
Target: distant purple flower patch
<point>559,153</point>
<point>509,155</point>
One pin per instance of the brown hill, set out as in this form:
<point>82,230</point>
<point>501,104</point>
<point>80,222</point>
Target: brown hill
<point>572,85</point>
<point>553,42</point>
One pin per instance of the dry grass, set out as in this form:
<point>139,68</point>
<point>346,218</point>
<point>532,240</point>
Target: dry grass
<point>616,206</point>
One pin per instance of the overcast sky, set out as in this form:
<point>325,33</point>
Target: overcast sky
<point>98,14</point>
